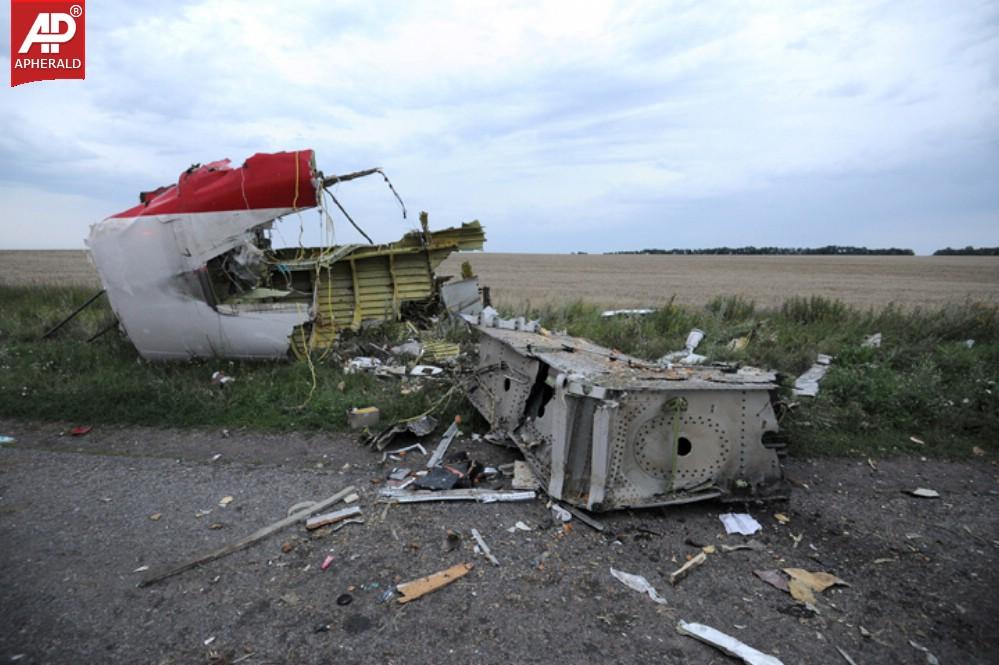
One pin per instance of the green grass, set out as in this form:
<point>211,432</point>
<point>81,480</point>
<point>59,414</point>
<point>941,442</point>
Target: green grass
<point>923,381</point>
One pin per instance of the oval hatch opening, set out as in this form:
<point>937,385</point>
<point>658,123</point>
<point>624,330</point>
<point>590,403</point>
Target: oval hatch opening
<point>683,446</point>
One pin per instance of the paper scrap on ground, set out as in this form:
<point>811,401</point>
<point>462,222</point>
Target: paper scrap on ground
<point>741,523</point>
<point>638,583</point>
<point>726,643</point>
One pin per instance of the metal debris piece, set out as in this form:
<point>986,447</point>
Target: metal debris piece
<point>560,514</point>
<point>687,355</point>
<point>930,658</point>
<point>419,427</point>
<point>445,442</point>
<point>685,569</point>
<point>807,385</point>
<point>846,656</point>
<point>523,477</point>
<point>420,587</point>
<point>331,518</point>
<point>741,523</point>
<point>585,519</point>
<point>603,430</point>
<point>748,545</point>
<point>638,583</point>
<point>626,312</point>
<point>472,494</point>
<point>925,493</point>
<point>726,644</point>
<point>519,526</point>
<point>426,370</point>
<point>190,271</point>
<point>483,548</point>
<point>359,364</point>
<point>397,451</point>
<point>462,296</point>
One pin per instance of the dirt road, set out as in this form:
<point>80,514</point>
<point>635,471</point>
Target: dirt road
<point>76,519</point>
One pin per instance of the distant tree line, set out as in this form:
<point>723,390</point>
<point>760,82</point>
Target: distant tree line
<point>968,251</point>
<point>836,250</point>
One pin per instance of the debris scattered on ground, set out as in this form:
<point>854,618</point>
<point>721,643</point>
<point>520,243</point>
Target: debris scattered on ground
<point>422,586</point>
<point>248,540</point>
<point>741,523</point>
<point>560,514</point>
<point>626,312</point>
<point>917,440</point>
<point>399,452</point>
<point>472,494</point>
<point>738,343</point>
<point>482,548</point>
<point>331,518</point>
<point>639,584</point>
<point>225,501</point>
<point>817,581</point>
<point>155,516</point>
<point>584,518</point>
<point>452,540</point>
<point>925,493</point>
<point>220,378</point>
<point>523,477</point>
<point>846,656</point>
<point>872,341</point>
<point>81,430</point>
<point>774,579</point>
<point>7,439</point>
<point>445,442</point>
<point>344,599</point>
<point>782,518</point>
<point>419,427</point>
<point>361,418</point>
<point>726,644</point>
<point>327,562</point>
<point>685,569</point>
<point>807,385</point>
<point>969,343</point>
<point>977,451</point>
<point>351,498</point>
<point>519,526</point>
<point>300,506</point>
<point>930,658</point>
<point>426,370</point>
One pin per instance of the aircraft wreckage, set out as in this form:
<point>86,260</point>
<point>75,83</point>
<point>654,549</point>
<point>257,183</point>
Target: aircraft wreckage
<point>190,272</point>
<point>603,430</point>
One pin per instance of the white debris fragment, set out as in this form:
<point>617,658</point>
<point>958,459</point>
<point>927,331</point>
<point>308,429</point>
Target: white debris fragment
<point>626,312</point>
<point>726,643</point>
<point>969,343</point>
<point>925,493</point>
<point>872,341</point>
<point>930,658</point>
<point>426,370</point>
<point>362,364</point>
<point>560,514</point>
<point>519,526</point>
<point>687,355</point>
<point>807,385</point>
<point>741,523</point>
<point>638,583</point>
<point>486,552</point>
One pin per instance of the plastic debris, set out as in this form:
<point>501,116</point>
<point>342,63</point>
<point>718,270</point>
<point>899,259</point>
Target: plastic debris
<point>422,586</point>
<point>359,418</point>
<point>726,644</point>
<point>225,501</point>
<point>638,583</point>
<point>924,493</point>
<point>685,569</point>
<point>81,430</point>
<point>426,370</point>
<point>327,562</point>
<point>782,518</point>
<point>741,523</point>
<point>483,549</point>
<point>969,343</point>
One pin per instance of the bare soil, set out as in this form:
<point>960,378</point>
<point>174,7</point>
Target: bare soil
<point>76,521</point>
<point>635,281</point>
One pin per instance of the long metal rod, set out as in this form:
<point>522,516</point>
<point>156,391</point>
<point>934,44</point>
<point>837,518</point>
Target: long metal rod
<point>73,315</point>
<point>103,331</point>
<point>334,179</point>
<point>349,218</point>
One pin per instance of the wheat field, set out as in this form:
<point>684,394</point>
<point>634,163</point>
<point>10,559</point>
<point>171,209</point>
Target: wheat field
<point>636,281</point>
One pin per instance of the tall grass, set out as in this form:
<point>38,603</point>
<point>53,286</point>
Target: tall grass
<point>923,382</point>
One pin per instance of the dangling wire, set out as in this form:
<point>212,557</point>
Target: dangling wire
<point>349,218</point>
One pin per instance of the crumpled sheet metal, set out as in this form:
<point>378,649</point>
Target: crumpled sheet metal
<point>603,430</point>
<point>154,260</point>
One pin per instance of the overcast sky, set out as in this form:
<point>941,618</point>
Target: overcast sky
<point>576,126</point>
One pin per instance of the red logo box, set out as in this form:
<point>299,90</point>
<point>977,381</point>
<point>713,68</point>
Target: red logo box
<point>47,40</point>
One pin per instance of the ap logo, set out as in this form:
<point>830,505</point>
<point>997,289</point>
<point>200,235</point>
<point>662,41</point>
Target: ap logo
<point>47,40</point>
